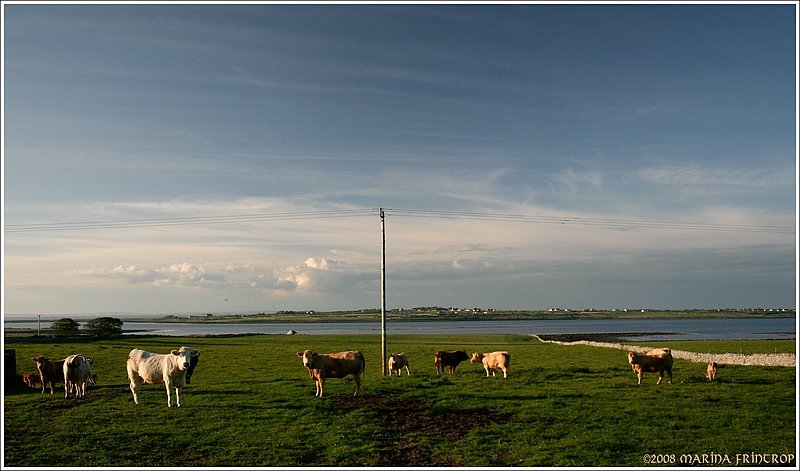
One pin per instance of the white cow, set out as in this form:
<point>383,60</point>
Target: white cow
<point>493,361</point>
<point>155,368</point>
<point>77,372</point>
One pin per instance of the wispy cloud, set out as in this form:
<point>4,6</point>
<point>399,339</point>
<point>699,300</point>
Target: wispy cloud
<point>740,179</point>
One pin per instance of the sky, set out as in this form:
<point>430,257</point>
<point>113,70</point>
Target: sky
<point>179,158</point>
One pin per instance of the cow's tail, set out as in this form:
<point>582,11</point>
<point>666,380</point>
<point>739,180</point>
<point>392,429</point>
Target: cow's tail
<point>363,365</point>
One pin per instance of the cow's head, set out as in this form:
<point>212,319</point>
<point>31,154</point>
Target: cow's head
<point>185,354</point>
<point>632,360</point>
<point>476,357</point>
<point>307,356</point>
<point>40,360</point>
<point>308,360</point>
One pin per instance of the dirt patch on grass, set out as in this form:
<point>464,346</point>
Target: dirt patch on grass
<point>411,429</point>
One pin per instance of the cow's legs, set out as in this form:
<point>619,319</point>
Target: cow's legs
<point>135,390</point>
<point>320,383</point>
<point>178,396</point>
<point>660,377</point>
<point>136,383</point>
<point>168,385</point>
<point>669,372</point>
<point>357,379</point>
<point>407,372</point>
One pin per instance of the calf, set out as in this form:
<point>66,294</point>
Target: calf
<point>333,365</point>
<point>398,361</point>
<point>30,379</point>
<point>451,360</point>
<point>654,361</point>
<point>711,371</point>
<point>493,361</point>
<point>50,372</point>
<point>155,368</point>
<point>77,372</point>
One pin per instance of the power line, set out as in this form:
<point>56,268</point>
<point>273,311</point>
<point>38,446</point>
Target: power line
<point>398,212</point>
<point>179,221</point>
<point>589,221</point>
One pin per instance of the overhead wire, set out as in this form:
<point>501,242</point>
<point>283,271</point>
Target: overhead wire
<point>400,212</point>
<point>178,221</point>
<point>590,221</point>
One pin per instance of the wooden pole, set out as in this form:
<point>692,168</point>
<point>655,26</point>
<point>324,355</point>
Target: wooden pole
<point>383,295</point>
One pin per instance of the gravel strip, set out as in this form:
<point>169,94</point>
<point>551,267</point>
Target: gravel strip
<point>758,359</point>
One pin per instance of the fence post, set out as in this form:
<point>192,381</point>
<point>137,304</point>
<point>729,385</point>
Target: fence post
<point>10,367</point>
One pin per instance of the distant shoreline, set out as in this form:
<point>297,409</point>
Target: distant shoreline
<point>422,316</point>
<point>433,314</point>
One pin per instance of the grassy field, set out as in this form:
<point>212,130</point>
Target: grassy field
<point>251,403</point>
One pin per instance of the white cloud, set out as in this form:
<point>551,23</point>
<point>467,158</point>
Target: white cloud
<point>576,182</point>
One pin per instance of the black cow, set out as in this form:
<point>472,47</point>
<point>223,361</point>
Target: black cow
<point>192,365</point>
<point>449,359</point>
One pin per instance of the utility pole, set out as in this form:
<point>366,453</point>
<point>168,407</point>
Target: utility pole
<point>38,324</point>
<point>383,295</point>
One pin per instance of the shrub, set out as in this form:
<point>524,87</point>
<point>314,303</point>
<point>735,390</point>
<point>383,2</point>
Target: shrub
<point>65,327</point>
<point>104,327</point>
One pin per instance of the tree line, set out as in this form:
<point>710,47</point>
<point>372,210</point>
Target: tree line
<point>100,327</point>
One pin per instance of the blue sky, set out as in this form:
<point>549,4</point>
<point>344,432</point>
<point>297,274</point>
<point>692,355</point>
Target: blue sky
<point>636,156</point>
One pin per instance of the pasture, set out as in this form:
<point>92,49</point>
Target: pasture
<point>251,403</point>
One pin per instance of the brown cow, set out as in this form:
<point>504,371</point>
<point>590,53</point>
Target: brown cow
<point>51,372</point>
<point>451,360</point>
<point>333,365</point>
<point>654,361</point>
<point>493,361</point>
<point>711,371</point>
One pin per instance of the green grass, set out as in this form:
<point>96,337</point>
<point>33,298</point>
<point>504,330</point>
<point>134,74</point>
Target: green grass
<point>251,403</point>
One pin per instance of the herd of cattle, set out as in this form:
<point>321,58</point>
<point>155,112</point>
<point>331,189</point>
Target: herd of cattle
<point>175,369</point>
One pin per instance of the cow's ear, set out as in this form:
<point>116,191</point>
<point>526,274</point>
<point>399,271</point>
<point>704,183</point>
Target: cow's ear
<point>195,353</point>
<point>90,360</point>
<point>300,354</point>
<point>175,352</point>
